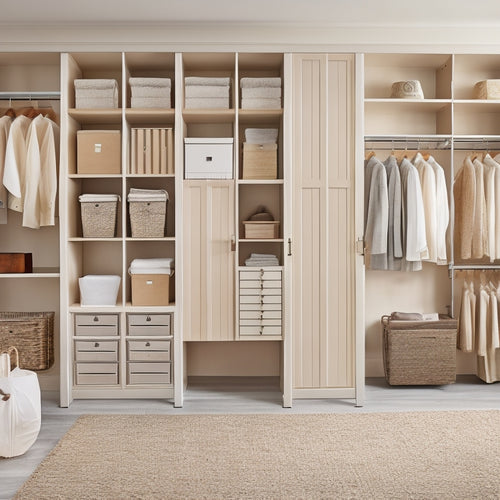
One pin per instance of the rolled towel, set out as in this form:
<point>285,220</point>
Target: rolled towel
<point>260,82</point>
<point>151,92</point>
<point>149,82</point>
<point>95,83</point>
<point>203,80</point>
<point>268,92</point>
<point>207,91</point>
<point>261,135</point>
<point>260,103</point>
<point>207,102</point>
<point>150,102</point>
<point>151,270</point>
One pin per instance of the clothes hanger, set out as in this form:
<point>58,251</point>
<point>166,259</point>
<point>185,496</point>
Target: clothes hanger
<point>369,155</point>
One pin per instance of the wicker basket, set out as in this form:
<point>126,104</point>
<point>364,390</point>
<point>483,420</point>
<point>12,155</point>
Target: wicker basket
<point>148,218</point>
<point>420,352</point>
<point>32,333</point>
<point>99,216</point>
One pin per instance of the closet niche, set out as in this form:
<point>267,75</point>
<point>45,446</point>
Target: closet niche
<point>29,80</point>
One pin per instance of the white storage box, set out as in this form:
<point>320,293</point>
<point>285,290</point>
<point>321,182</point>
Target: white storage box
<point>96,93</point>
<point>208,158</point>
<point>99,290</point>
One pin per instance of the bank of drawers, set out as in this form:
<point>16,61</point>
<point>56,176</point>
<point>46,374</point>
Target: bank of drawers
<point>260,302</point>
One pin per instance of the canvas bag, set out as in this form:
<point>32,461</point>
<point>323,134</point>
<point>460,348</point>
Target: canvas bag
<point>20,410</point>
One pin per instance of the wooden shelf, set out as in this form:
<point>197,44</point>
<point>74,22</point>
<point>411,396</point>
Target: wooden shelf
<point>158,116</point>
<point>80,238</point>
<point>261,240</point>
<point>94,176</point>
<point>412,104</point>
<point>257,116</point>
<point>165,238</point>
<point>261,181</point>
<point>78,308</point>
<point>149,176</point>
<point>477,105</point>
<point>150,309</point>
<point>209,115</point>
<point>106,116</point>
<point>38,272</point>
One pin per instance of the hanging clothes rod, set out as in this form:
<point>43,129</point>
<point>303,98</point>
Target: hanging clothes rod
<point>410,142</point>
<point>473,267</point>
<point>28,96</point>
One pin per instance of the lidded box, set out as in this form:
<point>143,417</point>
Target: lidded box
<point>99,213</point>
<point>208,158</point>
<point>96,93</point>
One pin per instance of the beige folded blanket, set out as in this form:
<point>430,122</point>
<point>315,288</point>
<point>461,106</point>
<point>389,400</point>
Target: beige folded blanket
<point>207,91</point>
<point>150,102</point>
<point>149,82</point>
<point>202,80</point>
<point>260,103</point>
<point>150,91</point>
<point>260,82</point>
<point>207,102</point>
<point>267,92</point>
<point>95,83</point>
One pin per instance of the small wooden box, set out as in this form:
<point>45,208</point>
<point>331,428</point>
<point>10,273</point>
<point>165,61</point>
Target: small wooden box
<point>260,161</point>
<point>257,230</point>
<point>16,263</point>
<point>150,289</point>
<point>487,89</point>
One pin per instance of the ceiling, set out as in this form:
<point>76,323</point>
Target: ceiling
<point>335,12</point>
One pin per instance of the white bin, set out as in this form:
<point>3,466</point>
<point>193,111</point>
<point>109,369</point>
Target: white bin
<point>99,290</point>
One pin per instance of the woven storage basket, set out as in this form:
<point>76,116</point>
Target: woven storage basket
<point>99,218</point>
<point>32,333</point>
<point>420,352</point>
<point>148,218</point>
<point>487,89</point>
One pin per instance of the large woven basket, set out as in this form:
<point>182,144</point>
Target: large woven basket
<point>32,333</point>
<point>99,219</point>
<point>148,218</point>
<point>420,352</point>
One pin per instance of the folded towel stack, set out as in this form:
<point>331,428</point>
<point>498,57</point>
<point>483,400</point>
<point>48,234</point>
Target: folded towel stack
<point>150,92</point>
<point>261,135</point>
<point>147,195</point>
<point>96,93</point>
<point>262,260</point>
<point>261,93</point>
<point>152,266</point>
<point>206,92</point>
<point>98,198</point>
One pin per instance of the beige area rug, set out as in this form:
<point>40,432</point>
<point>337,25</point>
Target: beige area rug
<point>422,455</point>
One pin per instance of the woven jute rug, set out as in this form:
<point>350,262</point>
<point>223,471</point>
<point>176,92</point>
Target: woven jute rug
<point>422,455</point>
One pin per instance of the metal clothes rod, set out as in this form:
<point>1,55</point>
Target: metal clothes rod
<point>473,267</point>
<point>27,96</point>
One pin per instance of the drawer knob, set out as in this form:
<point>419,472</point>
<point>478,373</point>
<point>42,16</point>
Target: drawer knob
<point>148,318</point>
<point>96,344</point>
<point>96,318</point>
<point>148,344</point>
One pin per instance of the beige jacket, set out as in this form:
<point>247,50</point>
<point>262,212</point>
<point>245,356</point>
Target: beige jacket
<point>5,122</point>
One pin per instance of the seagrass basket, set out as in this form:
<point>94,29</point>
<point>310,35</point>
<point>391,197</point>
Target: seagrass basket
<point>420,352</point>
<point>99,213</point>
<point>32,333</point>
<point>148,218</point>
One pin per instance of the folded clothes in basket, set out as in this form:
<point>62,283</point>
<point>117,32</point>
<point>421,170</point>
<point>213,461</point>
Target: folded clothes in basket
<point>136,194</point>
<point>262,260</point>
<point>260,103</point>
<point>210,91</point>
<point>260,82</point>
<point>152,266</point>
<point>258,92</point>
<point>202,80</point>
<point>96,83</point>
<point>149,82</point>
<point>89,198</point>
<point>261,135</point>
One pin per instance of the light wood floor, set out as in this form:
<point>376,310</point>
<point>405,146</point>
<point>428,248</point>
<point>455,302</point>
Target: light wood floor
<point>256,395</point>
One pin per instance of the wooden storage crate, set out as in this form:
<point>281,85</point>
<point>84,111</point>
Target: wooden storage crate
<point>261,229</point>
<point>33,335</point>
<point>260,161</point>
<point>420,352</point>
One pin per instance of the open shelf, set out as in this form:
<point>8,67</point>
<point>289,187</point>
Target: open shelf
<point>98,116</point>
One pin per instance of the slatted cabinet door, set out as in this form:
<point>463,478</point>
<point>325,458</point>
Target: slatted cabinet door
<point>208,260</point>
<point>323,299</point>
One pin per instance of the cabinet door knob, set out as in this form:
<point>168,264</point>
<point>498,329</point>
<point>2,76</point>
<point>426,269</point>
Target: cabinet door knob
<point>96,344</point>
<point>148,318</point>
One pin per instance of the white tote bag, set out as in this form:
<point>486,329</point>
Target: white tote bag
<point>20,411</point>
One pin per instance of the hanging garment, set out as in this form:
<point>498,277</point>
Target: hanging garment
<point>415,244</point>
<point>493,340</point>
<point>5,122</point>
<point>15,162</point>
<point>479,228</point>
<point>464,195</point>
<point>428,185</point>
<point>482,320</point>
<point>493,204</point>
<point>394,234</point>
<point>377,214</point>
<point>442,211</point>
<point>467,319</point>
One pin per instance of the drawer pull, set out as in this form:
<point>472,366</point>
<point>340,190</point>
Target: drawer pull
<point>148,318</point>
<point>148,344</point>
<point>96,344</point>
<point>261,273</point>
<point>96,318</point>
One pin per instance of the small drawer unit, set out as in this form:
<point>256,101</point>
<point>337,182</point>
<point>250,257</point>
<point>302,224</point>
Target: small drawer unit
<point>149,373</point>
<point>260,304</point>
<point>208,158</point>
<point>96,325</point>
<point>149,325</point>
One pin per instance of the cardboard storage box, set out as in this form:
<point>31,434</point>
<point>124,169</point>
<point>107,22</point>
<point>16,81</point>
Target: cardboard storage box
<point>16,263</point>
<point>150,289</point>
<point>261,229</point>
<point>208,158</point>
<point>98,151</point>
<point>260,161</point>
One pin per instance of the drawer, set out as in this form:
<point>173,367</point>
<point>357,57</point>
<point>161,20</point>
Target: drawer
<point>260,322</point>
<point>257,274</point>
<point>96,331</point>
<point>90,350</point>
<point>149,350</point>
<point>260,307</point>
<point>148,367</point>
<point>260,291</point>
<point>149,324</point>
<point>260,299</point>
<point>96,379</point>
<point>260,330</point>
<point>149,378</point>
<point>258,314</point>
<point>260,284</point>
<point>96,319</point>
<point>97,368</point>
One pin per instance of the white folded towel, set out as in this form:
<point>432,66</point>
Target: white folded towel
<point>150,82</point>
<point>150,102</point>
<point>97,102</point>
<point>151,270</point>
<point>151,92</point>
<point>261,103</point>
<point>147,195</point>
<point>263,255</point>
<point>203,80</point>
<point>261,135</point>
<point>98,198</point>
<point>207,91</point>
<point>260,82</point>
<point>268,92</point>
<point>167,262</point>
<point>207,102</point>
<point>95,83</point>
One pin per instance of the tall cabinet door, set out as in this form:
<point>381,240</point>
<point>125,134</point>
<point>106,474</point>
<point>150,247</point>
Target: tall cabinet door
<point>208,260</point>
<point>323,295</point>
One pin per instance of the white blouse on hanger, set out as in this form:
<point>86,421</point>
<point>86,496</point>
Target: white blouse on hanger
<point>5,122</point>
